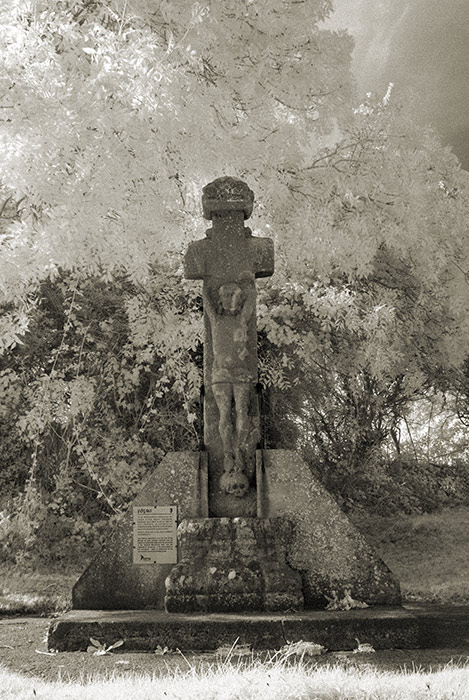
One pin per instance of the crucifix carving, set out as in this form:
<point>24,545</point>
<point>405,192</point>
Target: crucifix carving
<point>228,260</point>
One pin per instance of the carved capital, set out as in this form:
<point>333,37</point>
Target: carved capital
<point>227,194</point>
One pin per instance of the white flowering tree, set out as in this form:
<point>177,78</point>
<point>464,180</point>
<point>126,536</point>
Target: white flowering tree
<point>113,115</point>
<point>372,308</point>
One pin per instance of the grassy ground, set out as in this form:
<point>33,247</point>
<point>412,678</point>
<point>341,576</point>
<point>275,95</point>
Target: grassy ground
<point>276,681</point>
<point>35,592</point>
<point>29,672</point>
<point>428,553</point>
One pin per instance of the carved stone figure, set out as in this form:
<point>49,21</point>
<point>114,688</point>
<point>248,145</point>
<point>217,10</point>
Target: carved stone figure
<point>228,260</point>
<point>249,540</point>
<point>232,376</point>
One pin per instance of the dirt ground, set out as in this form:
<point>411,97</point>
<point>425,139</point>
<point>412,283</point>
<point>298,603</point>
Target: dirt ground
<point>23,650</point>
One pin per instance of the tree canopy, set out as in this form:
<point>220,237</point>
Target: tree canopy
<point>113,117</point>
<point>115,114</point>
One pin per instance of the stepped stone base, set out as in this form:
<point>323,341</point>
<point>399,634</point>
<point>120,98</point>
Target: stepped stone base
<point>144,630</point>
<point>331,554</point>
<point>325,548</point>
<point>233,565</point>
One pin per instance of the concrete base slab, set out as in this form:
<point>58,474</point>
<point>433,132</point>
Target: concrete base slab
<point>144,630</point>
<point>441,626</point>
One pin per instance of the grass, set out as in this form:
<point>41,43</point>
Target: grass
<point>29,592</point>
<point>276,681</point>
<point>428,553</point>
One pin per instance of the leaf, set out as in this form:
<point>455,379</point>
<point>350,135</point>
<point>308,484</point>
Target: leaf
<point>160,651</point>
<point>242,650</point>
<point>363,648</point>
<point>99,649</point>
<point>227,652</point>
<point>115,645</point>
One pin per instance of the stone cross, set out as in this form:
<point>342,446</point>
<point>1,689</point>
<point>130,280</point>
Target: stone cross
<point>228,260</point>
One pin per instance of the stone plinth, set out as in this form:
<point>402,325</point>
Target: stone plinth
<point>112,581</point>
<point>327,548</point>
<point>233,565</point>
<point>145,630</point>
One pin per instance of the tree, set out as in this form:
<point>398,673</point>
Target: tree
<point>114,115</point>
<point>114,110</point>
<point>374,310</point>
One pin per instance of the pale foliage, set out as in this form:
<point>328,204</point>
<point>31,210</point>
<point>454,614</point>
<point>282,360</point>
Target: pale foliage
<point>435,431</point>
<point>114,115</point>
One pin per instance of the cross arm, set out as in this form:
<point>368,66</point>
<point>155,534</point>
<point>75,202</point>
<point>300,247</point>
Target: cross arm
<point>264,257</point>
<point>194,261</point>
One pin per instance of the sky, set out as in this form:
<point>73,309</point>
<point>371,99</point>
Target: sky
<point>422,46</point>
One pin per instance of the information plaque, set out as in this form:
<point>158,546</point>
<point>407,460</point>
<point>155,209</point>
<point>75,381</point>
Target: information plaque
<point>154,534</point>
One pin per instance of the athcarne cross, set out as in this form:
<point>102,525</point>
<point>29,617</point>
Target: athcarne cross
<point>228,260</point>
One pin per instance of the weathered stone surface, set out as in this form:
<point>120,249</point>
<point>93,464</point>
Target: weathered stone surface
<point>384,628</point>
<point>227,193</point>
<point>442,626</point>
<point>228,260</point>
<point>112,581</point>
<point>274,537</point>
<point>326,547</point>
<point>233,565</point>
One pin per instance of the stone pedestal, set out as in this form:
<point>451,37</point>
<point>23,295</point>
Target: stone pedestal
<point>297,521</point>
<point>234,565</point>
<point>332,555</point>
<point>112,581</point>
<point>239,577</point>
